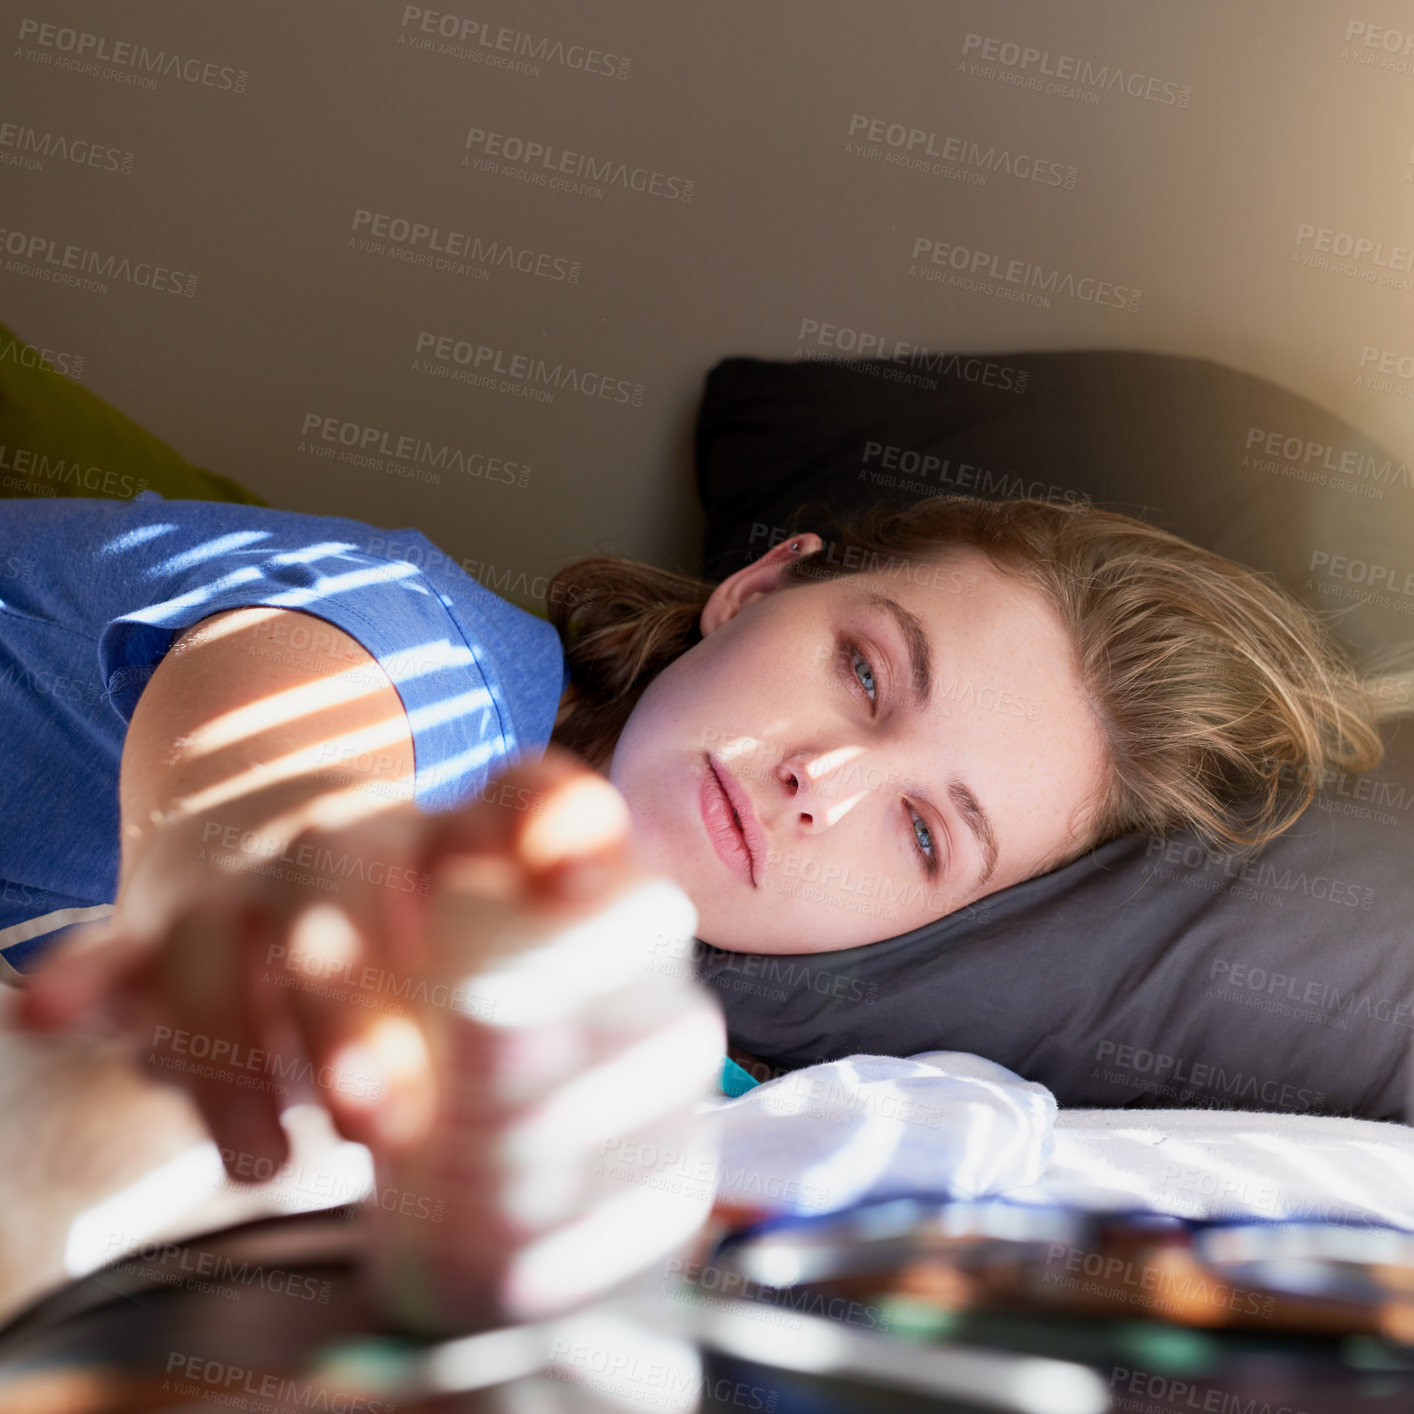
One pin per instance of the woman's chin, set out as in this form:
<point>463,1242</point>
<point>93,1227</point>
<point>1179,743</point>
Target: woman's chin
<point>730,941</point>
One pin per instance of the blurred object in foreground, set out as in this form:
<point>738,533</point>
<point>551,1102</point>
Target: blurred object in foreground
<point>1318,1279</point>
<point>567,1155</point>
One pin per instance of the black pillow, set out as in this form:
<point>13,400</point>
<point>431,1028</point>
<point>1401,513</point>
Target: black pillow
<point>1226,460</point>
<point>1143,974</point>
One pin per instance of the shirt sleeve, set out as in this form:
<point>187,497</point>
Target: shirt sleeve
<point>478,678</point>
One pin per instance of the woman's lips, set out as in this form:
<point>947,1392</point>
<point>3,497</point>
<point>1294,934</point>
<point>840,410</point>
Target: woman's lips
<point>728,838</point>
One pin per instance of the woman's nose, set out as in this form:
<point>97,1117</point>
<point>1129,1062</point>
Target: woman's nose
<point>813,786</point>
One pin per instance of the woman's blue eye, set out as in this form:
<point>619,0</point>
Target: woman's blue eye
<point>856,657</point>
<point>920,832</point>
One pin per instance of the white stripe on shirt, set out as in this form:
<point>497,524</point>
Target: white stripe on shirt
<point>45,923</point>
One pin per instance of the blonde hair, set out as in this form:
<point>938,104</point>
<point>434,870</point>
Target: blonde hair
<point>1222,700</point>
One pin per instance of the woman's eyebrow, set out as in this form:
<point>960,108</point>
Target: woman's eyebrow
<point>915,638</point>
<point>979,822</point>
<point>920,658</point>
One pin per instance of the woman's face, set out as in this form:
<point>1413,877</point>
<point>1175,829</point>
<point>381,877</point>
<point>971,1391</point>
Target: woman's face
<point>888,765</point>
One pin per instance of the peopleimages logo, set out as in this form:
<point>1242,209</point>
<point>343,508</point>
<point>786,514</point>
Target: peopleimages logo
<point>547,165</point>
<point>440,248</point>
<point>1070,76</point>
<point>41,257</point>
<point>462,361</point>
<point>1387,361</point>
<point>1144,1069</point>
<point>1379,46</point>
<point>987,273</point>
<point>1225,869</point>
<point>1233,980</point>
<point>501,46</point>
<point>1358,256</point>
<point>68,48</point>
<point>27,147</point>
<point>914,471</point>
<point>921,149</point>
<point>868,344</point>
<point>364,444</point>
<point>70,365</point>
<point>34,466</point>
<point>1303,454</point>
<point>1386,371</point>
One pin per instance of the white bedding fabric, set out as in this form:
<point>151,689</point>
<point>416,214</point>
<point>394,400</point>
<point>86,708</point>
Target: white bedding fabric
<point>949,1124</point>
<point>100,1159</point>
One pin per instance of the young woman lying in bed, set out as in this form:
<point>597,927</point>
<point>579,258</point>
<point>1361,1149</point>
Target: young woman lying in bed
<point>957,698</point>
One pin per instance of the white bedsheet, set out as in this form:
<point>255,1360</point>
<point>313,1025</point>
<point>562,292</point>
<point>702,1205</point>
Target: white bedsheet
<point>101,1160</point>
<point>950,1124</point>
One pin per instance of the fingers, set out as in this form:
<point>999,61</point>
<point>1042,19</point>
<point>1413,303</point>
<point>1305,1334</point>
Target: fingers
<point>583,816</point>
<point>213,1044</point>
<point>650,1192</point>
<point>548,1196</point>
<point>217,999</point>
<point>72,987</point>
<point>646,1066</point>
<point>549,837</point>
<point>368,1056</point>
<point>544,813</point>
<point>628,1127</point>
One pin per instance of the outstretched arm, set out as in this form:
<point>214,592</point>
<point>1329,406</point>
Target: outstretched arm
<point>255,776</point>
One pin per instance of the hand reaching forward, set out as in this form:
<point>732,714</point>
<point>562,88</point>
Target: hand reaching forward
<point>258,972</point>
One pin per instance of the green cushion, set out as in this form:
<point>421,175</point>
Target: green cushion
<point>58,439</point>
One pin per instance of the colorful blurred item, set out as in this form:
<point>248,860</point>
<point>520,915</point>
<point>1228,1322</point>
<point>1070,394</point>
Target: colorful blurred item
<point>1322,1279</point>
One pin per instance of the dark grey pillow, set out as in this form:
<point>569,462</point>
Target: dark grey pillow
<point>1143,974</point>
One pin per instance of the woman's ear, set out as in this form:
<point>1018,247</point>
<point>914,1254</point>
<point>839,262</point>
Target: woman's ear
<point>738,590</point>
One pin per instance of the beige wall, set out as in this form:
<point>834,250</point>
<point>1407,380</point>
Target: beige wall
<point>1201,159</point>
